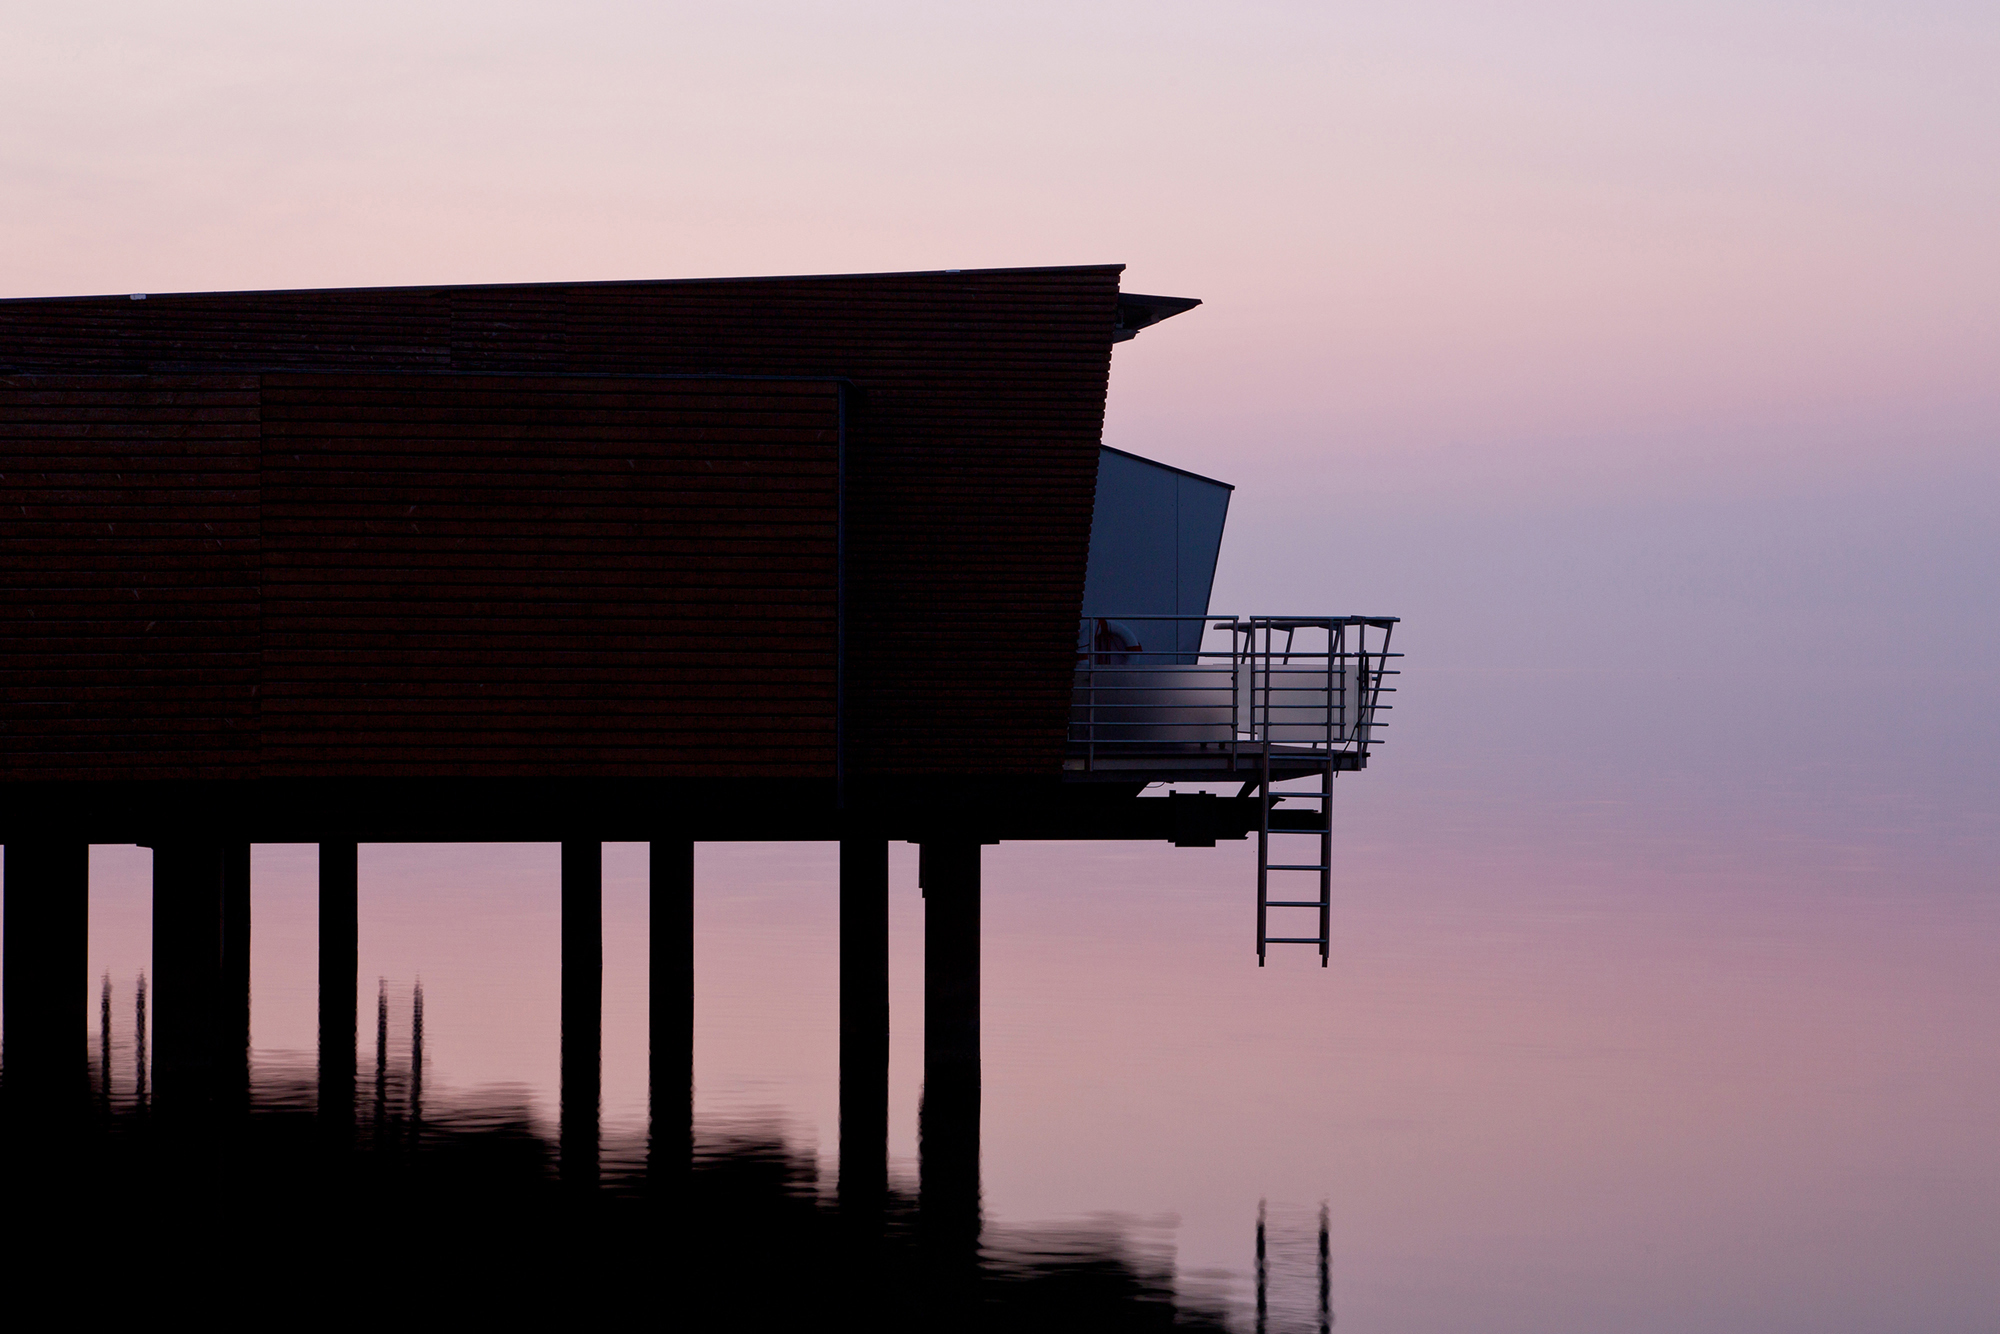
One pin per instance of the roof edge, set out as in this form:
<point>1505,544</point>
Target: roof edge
<point>592,283</point>
<point>1126,453</point>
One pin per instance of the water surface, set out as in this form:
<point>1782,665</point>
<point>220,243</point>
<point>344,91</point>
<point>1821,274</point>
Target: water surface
<point>1604,1044</point>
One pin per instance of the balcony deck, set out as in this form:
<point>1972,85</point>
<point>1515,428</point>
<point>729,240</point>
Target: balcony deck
<point>1227,698</point>
<point>1202,762</point>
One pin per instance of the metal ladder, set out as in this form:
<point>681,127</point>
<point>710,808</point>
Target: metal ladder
<point>1322,867</point>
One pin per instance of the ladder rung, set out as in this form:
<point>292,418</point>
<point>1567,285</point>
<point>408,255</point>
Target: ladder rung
<point>1314,832</point>
<point>1296,903</point>
<point>1275,867</point>
<point>1295,940</point>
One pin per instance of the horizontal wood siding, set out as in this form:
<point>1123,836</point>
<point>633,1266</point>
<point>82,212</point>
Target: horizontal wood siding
<point>971,456</point>
<point>129,645</point>
<point>386,328</point>
<point>972,468</point>
<point>545,576</point>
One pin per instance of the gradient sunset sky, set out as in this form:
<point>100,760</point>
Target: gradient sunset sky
<point>1644,357</point>
<point>1650,345</point>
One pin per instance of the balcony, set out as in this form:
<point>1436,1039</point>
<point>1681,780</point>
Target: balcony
<point>1255,699</point>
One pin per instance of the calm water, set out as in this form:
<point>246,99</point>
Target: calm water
<point>1673,1044</point>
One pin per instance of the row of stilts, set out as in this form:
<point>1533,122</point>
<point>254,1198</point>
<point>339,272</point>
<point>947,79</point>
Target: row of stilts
<point>199,996</point>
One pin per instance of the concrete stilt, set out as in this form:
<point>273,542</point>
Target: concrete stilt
<point>864,1023</point>
<point>339,962</point>
<point>948,1124</point>
<point>188,990</point>
<point>670,1011</point>
<point>233,1004</point>
<point>582,1008</point>
<point>47,895</point>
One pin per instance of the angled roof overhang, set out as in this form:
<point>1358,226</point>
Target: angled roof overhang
<point>1136,312</point>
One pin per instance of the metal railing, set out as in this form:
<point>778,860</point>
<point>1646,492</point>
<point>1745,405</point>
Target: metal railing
<point>1233,691</point>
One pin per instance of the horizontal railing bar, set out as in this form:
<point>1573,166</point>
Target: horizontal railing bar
<point>1156,733</point>
<point>1222,690</point>
<point>1302,759</point>
<point>1286,693</point>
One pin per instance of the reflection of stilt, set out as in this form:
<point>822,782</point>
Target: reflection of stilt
<point>47,895</point>
<point>1291,1272</point>
<point>338,965</point>
<point>1325,1274</point>
<point>140,1093</point>
<point>381,1058</point>
<point>104,1045</point>
<point>416,1061</point>
<point>670,1014</point>
<point>582,1008</point>
<point>948,1122</point>
<point>864,1025</point>
<point>1263,1271</point>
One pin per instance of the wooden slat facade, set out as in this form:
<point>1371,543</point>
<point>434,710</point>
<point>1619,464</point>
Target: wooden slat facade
<point>549,576</point>
<point>129,584</point>
<point>440,532</point>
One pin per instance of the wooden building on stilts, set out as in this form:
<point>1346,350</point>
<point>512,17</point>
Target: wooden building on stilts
<point>831,558</point>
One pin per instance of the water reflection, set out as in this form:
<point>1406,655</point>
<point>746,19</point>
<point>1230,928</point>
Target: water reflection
<point>453,1202</point>
<point>1284,1273</point>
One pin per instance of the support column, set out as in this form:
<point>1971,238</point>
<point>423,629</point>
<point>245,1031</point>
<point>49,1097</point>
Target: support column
<point>948,1124</point>
<point>864,1023</point>
<point>47,896</point>
<point>582,1008</point>
<point>339,963</point>
<point>188,987</point>
<point>670,1011</point>
<point>233,1012</point>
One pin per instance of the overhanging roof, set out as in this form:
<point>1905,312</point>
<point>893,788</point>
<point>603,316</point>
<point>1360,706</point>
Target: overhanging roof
<point>1136,312</point>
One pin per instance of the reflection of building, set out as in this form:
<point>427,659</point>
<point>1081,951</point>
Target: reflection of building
<point>808,558</point>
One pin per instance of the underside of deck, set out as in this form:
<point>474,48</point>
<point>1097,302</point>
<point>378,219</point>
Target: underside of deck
<point>444,810</point>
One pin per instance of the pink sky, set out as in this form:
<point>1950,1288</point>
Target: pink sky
<point>1544,232</point>
<point>1642,356</point>
<point>1459,262</point>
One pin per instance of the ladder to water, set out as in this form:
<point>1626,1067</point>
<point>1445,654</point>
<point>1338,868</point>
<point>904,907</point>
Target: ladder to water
<point>1292,869</point>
